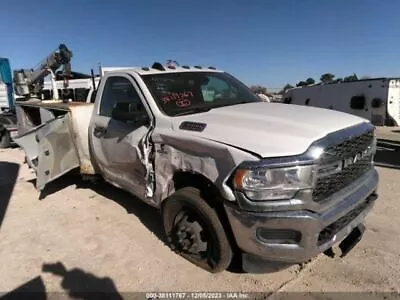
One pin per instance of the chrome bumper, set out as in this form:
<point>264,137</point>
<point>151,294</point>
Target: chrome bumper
<point>353,203</point>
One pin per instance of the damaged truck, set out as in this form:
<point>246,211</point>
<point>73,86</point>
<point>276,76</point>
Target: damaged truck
<point>232,176</point>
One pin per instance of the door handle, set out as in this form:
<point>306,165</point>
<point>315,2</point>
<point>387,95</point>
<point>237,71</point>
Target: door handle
<point>99,131</point>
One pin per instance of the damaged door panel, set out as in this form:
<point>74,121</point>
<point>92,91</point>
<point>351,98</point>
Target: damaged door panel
<point>50,150</point>
<point>46,115</point>
<point>120,143</point>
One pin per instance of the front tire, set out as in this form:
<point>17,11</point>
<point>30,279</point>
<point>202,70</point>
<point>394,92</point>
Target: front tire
<point>195,232</point>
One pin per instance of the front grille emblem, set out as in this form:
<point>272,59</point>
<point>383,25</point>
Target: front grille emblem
<point>341,164</point>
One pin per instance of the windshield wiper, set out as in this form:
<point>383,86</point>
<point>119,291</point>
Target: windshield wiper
<point>231,103</point>
<point>194,110</point>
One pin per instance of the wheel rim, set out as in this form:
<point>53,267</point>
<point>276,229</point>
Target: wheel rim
<point>192,237</point>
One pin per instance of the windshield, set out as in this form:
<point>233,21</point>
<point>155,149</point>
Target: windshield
<point>192,92</point>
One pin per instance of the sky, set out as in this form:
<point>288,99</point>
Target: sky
<point>264,42</point>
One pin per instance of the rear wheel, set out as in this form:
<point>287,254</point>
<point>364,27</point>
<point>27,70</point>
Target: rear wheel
<point>5,139</point>
<point>195,232</point>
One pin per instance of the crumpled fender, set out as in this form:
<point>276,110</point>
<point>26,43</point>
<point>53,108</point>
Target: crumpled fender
<point>176,152</point>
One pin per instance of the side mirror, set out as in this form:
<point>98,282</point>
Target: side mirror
<point>128,112</point>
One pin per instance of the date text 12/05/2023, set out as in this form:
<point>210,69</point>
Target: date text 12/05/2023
<point>196,295</point>
<point>181,99</point>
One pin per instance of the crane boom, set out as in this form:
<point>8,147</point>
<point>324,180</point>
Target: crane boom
<point>28,82</point>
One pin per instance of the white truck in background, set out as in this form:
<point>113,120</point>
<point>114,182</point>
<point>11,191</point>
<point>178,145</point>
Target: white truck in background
<point>275,184</point>
<point>377,99</point>
<point>82,90</point>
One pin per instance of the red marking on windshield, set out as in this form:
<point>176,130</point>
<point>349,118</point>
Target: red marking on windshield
<point>177,96</point>
<point>182,103</point>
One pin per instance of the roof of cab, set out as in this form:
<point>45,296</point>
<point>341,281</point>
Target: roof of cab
<point>167,69</point>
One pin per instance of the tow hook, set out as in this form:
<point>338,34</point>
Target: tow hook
<point>348,243</point>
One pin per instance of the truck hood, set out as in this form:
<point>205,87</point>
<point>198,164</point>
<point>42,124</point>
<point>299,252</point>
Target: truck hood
<point>268,129</point>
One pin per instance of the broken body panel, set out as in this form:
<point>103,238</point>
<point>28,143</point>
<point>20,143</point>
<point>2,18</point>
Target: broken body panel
<point>54,137</point>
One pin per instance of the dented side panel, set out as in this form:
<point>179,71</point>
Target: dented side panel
<point>50,149</point>
<point>176,152</point>
<point>80,122</point>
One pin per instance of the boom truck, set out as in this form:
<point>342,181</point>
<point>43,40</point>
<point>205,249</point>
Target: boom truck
<point>28,83</point>
<point>231,175</point>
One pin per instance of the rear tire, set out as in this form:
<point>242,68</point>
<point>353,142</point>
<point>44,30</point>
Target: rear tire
<point>5,139</point>
<point>195,232</point>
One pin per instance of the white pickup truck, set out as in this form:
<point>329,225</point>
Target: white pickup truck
<point>276,184</point>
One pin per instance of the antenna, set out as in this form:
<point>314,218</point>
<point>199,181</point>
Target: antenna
<point>100,69</point>
<point>93,81</point>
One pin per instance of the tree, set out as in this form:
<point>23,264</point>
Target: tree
<point>301,83</point>
<point>351,78</point>
<point>285,88</point>
<point>327,77</point>
<point>258,89</point>
<point>310,81</point>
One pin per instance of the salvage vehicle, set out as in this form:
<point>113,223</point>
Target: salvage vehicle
<point>232,176</point>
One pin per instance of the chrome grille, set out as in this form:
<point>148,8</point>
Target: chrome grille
<point>347,149</point>
<point>328,185</point>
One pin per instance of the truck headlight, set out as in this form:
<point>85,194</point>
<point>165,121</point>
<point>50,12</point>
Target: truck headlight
<point>274,183</point>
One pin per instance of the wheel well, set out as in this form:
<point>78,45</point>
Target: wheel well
<point>8,119</point>
<point>210,193</point>
<point>208,190</point>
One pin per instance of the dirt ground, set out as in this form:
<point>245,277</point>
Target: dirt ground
<point>78,236</point>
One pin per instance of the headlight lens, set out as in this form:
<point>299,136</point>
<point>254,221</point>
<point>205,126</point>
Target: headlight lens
<point>274,184</point>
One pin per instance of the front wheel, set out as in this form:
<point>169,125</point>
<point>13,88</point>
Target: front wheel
<point>195,232</point>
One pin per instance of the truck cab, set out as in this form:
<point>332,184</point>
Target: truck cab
<point>230,174</point>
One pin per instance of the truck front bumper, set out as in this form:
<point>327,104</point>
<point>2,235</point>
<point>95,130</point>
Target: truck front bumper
<point>295,236</point>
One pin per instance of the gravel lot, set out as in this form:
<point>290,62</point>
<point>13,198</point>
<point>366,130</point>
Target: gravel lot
<point>107,240</point>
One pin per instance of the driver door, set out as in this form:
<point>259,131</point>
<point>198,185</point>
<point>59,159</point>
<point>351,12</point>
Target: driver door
<point>116,145</point>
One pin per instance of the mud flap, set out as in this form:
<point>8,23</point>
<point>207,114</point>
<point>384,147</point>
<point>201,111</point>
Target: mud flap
<point>50,150</point>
